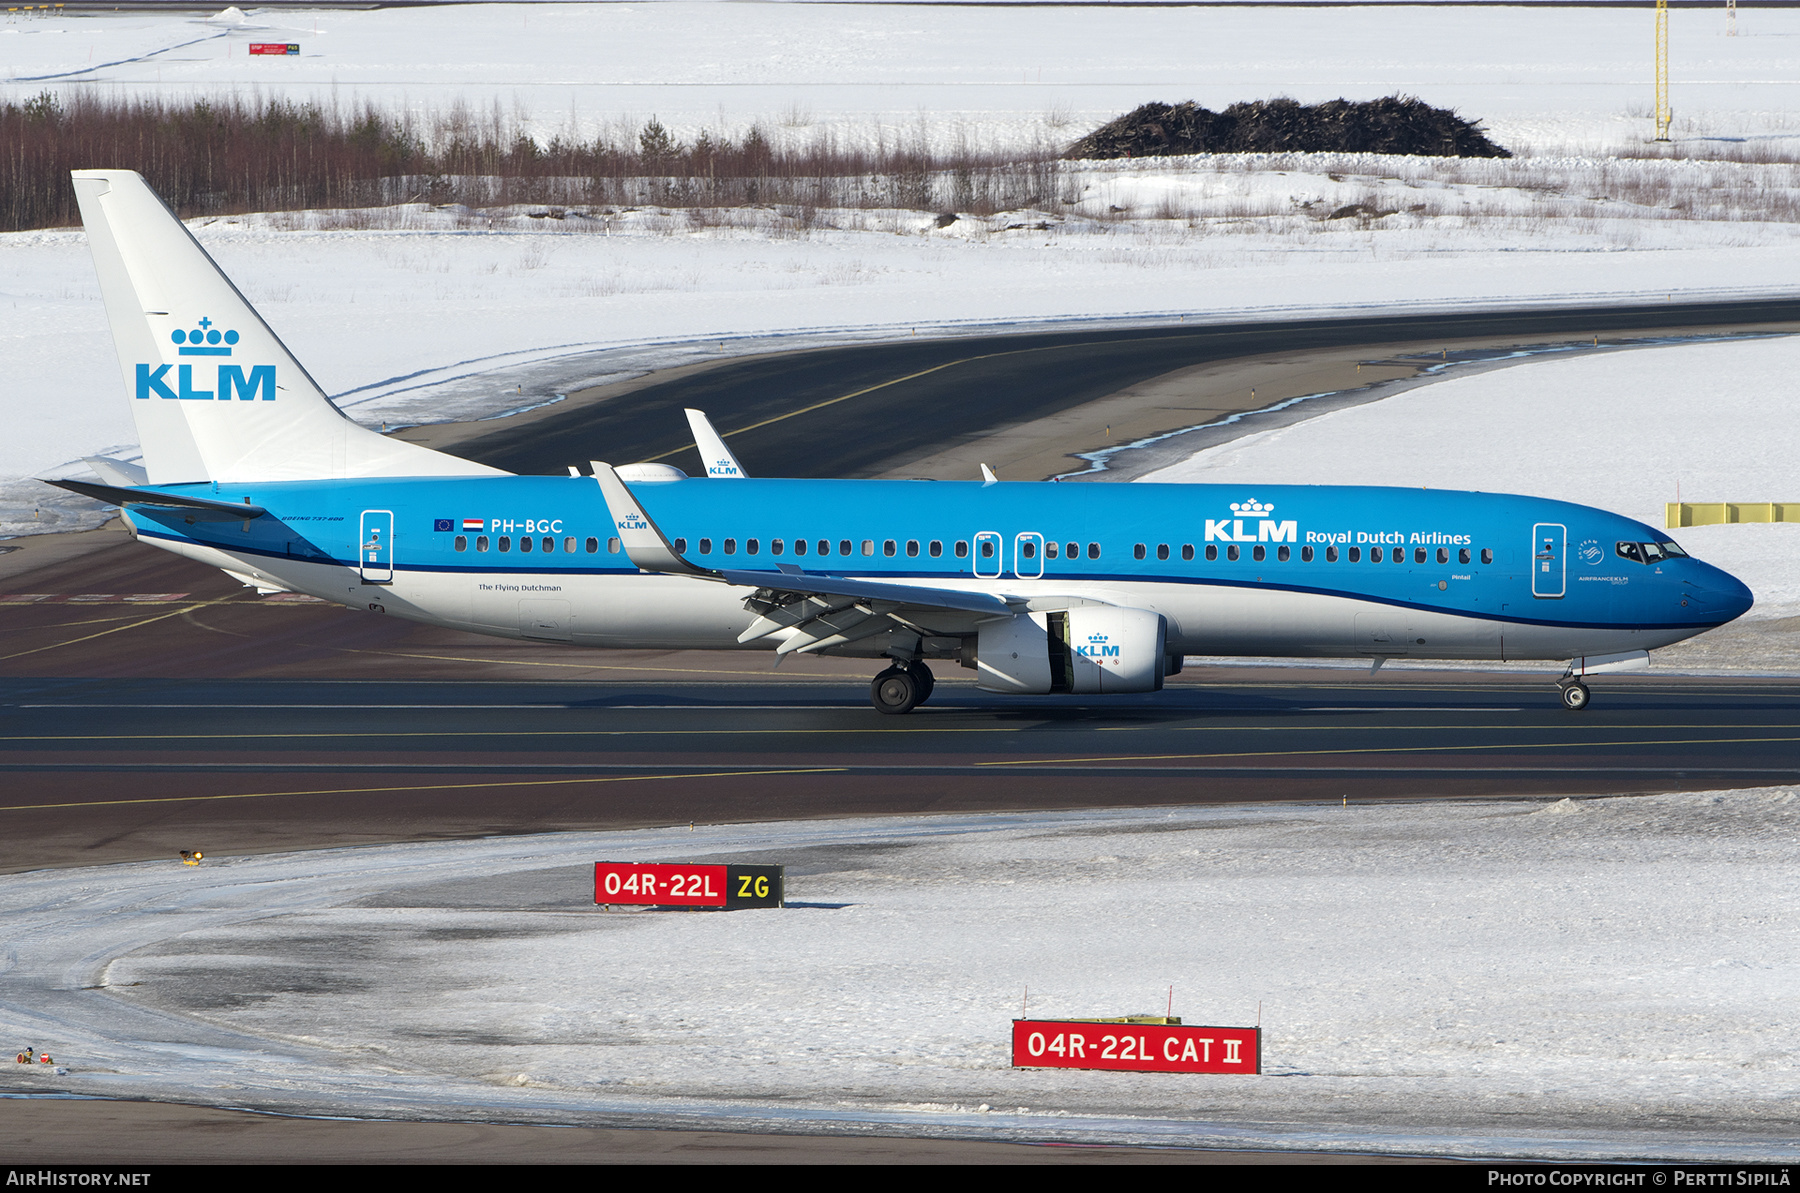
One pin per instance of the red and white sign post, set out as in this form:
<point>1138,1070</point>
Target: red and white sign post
<point>1137,1047</point>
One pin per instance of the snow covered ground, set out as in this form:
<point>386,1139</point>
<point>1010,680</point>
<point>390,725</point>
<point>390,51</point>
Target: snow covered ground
<point>1547,80</point>
<point>1605,977</point>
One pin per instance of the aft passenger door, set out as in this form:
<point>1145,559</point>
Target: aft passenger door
<point>1549,546</point>
<point>376,557</point>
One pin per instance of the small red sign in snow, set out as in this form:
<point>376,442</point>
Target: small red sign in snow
<point>664,884</point>
<point>1139,1047</point>
<point>274,47</point>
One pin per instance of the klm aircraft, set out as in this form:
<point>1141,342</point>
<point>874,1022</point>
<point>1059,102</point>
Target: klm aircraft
<point>1038,588</point>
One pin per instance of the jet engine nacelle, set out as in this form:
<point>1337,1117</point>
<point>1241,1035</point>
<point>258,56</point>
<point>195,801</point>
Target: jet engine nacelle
<point>1085,650</point>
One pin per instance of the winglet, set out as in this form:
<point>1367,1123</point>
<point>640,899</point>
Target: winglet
<point>988,477</point>
<point>720,463</point>
<point>644,543</point>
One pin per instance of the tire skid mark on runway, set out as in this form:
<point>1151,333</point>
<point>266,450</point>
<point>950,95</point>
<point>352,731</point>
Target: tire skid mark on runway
<point>1420,749</point>
<point>119,629</point>
<point>552,782</point>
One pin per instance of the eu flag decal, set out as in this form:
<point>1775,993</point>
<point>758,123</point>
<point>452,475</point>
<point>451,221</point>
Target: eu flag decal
<point>444,524</point>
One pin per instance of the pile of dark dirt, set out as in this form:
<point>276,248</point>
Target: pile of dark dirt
<point>1397,124</point>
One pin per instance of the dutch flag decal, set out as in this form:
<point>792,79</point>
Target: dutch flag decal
<point>472,523</point>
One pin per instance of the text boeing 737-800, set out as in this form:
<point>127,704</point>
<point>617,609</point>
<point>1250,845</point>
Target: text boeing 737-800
<point>1039,588</point>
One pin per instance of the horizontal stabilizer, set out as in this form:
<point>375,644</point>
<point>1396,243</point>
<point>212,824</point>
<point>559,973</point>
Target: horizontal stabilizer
<point>117,472</point>
<point>201,509</point>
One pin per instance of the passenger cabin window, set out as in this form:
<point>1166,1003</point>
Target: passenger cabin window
<point>569,545</point>
<point>1162,550</point>
<point>593,546</point>
<point>1487,555</point>
<point>612,546</point>
<point>987,548</point>
<point>774,546</point>
<point>505,543</point>
<point>1028,549</point>
<point>1137,552</point>
<point>731,546</point>
<point>843,546</point>
<point>1259,553</point>
<point>1049,550</point>
<point>1283,554</point>
<point>1400,555</point>
<point>799,546</point>
<point>1356,555</point>
<point>1072,550</point>
<point>1331,555</point>
<point>1443,555</point>
<point>681,546</point>
<point>912,548</point>
<point>1212,550</point>
<point>524,544</point>
<point>1231,553</point>
<point>550,545</point>
<point>887,547</point>
<point>705,546</point>
<point>462,542</point>
<point>962,548</point>
<point>1187,550</point>
<point>481,542</point>
<point>1374,555</point>
<point>868,546</point>
<point>937,548</point>
<point>1462,555</point>
<point>751,546</point>
<point>1306,555</point>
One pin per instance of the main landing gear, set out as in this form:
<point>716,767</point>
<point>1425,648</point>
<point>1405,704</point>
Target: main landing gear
<point>901,688</point>
<point>1575,694</point>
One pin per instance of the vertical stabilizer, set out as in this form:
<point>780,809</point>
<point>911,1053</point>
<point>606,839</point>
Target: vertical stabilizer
<point>215,393</point>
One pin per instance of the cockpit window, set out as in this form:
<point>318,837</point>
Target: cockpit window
<point>1649,552</point>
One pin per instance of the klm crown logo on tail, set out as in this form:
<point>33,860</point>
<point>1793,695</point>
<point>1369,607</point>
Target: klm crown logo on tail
<point>206,340</point>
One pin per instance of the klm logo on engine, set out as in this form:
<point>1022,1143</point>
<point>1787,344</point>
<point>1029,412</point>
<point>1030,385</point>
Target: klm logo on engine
<point>1097,648</point>
<point>228,381</point>
<point>1265,529</point>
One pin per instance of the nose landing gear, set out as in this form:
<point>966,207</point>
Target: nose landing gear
<point>901,689</point>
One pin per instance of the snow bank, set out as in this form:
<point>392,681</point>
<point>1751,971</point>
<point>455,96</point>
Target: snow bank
<point>1582,978</point>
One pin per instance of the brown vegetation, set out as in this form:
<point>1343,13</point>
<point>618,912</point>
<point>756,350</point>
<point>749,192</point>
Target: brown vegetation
<point>235,154</point>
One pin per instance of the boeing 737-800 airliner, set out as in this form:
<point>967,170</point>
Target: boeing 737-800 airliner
<point>1039,588</point>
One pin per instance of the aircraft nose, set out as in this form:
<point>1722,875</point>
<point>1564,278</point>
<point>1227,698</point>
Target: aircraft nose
<point>1723,594</point>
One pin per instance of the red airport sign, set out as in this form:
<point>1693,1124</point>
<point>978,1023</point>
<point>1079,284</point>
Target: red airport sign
<point>670,884</point>
<point>1136,1047</point>
<point>274,47</point>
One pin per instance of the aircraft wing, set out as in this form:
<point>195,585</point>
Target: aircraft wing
<point>821,611</point>
<point>200,509</point>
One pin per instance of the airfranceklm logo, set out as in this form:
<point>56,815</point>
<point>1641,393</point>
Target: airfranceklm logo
<point>1267,529</point>
<point>228,381</point>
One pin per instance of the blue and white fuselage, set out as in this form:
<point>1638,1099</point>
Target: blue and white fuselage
<point>1037,587</point>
